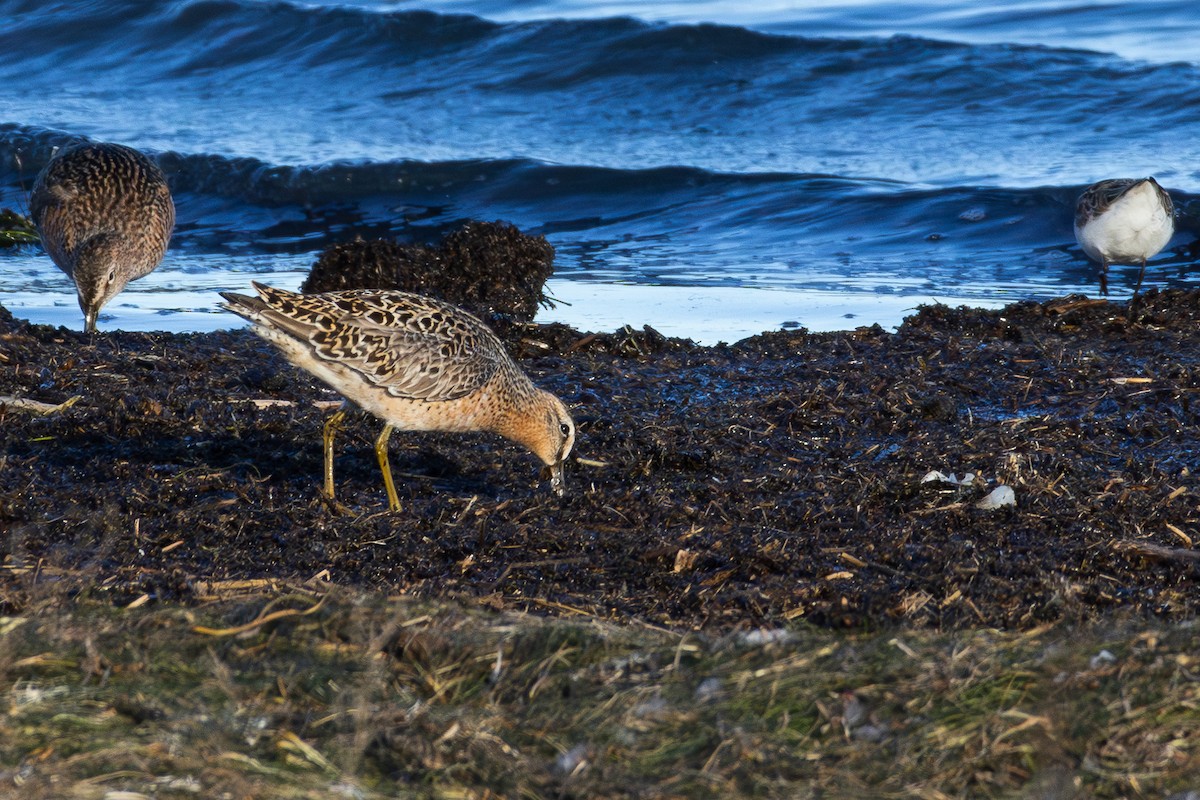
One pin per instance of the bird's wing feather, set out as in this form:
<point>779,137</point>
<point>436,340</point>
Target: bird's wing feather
<point>410,346</point>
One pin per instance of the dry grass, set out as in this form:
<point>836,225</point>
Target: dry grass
<point>294,695</point>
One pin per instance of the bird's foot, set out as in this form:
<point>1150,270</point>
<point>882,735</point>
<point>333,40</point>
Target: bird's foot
<point>336,508</point>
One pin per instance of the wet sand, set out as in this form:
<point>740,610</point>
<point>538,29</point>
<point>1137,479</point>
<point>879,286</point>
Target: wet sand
<point>773,480</point>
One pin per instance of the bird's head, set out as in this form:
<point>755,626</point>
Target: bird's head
<point>99,275</point>
<point>549,433</point>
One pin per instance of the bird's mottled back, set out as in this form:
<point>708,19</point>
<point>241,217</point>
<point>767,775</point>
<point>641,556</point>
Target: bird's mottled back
<point>411,346</point>
<point>105,216</point>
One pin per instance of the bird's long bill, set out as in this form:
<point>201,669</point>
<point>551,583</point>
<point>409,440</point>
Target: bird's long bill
<point>89,321</point>
<point>556,478</point>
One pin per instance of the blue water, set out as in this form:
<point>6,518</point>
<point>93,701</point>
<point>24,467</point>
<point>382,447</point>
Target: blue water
<point>710,168</point>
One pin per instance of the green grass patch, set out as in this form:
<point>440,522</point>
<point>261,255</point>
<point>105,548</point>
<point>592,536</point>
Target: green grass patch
<point>295,696</point>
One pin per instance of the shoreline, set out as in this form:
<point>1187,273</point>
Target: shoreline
<point>756,484</point>
<point>708,315</point>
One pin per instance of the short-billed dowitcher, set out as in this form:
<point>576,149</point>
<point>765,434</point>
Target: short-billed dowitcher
<point>105,215</point>
<point>414,362</point>
<point>1124,221</point>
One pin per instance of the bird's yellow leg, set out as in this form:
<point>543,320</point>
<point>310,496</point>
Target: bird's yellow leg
<point>327,435</point>
<point>381,452</point>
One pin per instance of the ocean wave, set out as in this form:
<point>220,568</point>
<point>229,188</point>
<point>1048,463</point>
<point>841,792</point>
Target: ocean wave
<point>287,83</point>
<point>225,199</point>
<point>223,40</point>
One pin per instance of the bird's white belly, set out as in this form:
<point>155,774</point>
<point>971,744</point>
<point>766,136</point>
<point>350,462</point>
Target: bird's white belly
<point>1135,228</point>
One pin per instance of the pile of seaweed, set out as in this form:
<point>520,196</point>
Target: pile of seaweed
<point>491,269</point>
<point>829,477</point>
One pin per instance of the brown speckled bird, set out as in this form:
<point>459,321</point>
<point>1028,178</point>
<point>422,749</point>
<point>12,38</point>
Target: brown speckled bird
<point>105,215</point>
<point>417,363</point>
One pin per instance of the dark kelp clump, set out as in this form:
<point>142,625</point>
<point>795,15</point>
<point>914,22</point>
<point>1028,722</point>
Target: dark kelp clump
<point>491,269</point>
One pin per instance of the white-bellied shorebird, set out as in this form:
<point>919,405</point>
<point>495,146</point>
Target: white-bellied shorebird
<point>1124,221</point>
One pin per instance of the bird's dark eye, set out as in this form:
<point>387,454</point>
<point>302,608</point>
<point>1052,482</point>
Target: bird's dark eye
<point>112,275</point>
<point>565,428</point>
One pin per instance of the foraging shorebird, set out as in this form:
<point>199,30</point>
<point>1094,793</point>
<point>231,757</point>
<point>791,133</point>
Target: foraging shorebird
<point>1124,221</point>
<point>417,363</point>
<point>105,215</point>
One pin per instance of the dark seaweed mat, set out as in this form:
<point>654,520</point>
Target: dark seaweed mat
<point>491,269</point>
<point>786,467</point>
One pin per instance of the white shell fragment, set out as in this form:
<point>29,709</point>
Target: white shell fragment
<point>999,497</point>
<point>967,479</point>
